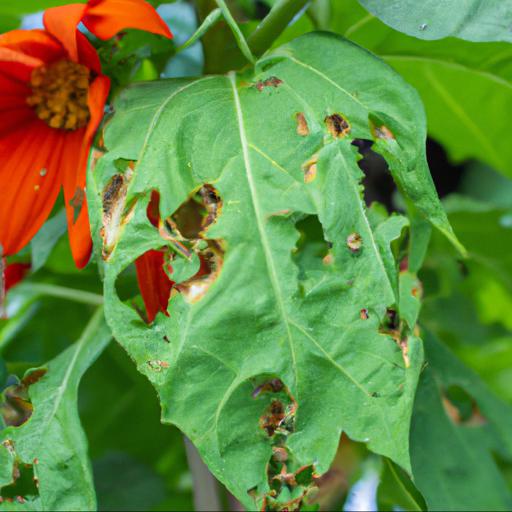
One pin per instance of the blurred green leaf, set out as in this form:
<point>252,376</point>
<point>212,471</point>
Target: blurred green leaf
<point>465,86</point>
<point>396,490</point>
<point>51,444</point>
<point>20,7</point>
<point>478,20</point>
<point>121,417</point>
<point>452,455</point>
<point>46,239</point>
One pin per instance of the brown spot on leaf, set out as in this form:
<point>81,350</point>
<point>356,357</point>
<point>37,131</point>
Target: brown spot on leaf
<point>337,125</point>
<point>363,314</point>
<point>212,259</point>
<point>279,454</point>
<point>158,365</point>
<point>273,418</point>
<point>302,124</point>
<point>417,291</point>
<point>328,259</point>
<point>271,386</point>
<point>34,376</point>
<point>354,242</point>
<point>404,347</point>
<point>382,132</point>
<point>212,203</point>
<point>309,167</point>
<point>114,206</point>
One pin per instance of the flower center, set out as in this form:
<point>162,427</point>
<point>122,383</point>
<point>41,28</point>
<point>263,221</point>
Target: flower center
<point>59,94</point>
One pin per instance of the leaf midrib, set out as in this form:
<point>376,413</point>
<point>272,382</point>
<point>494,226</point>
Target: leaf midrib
<point>261,229</point>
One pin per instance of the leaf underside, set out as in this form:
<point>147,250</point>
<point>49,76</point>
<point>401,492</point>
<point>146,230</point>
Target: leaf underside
<point>261,337</point>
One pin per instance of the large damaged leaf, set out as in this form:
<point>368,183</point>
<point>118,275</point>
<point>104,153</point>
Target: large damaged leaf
<point>268,352</point>
<point>43,450</point>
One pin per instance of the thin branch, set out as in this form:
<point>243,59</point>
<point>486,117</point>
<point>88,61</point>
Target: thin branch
<point>62,292</point>
<point>273,25</point>
<point>233,25</point>
<point>206,496</point>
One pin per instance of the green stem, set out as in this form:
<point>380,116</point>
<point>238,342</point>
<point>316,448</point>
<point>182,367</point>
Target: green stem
<point>206,495</point>
<point>206,25</point>
<point>237,33</point>
<point>63,293</point>
<point>273,25</point>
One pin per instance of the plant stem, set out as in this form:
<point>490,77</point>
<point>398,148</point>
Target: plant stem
<point>273,25</point>
<point>206,497</point>
<point>237,33</point>
<point>207,23</point>
<point>64,293</point>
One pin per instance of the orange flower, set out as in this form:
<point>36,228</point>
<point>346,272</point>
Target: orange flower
<point>52,99</point>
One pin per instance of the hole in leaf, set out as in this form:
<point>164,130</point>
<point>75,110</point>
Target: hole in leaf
<point>461,407</point>
<point>188,263</point>
<point>16,407</point>
<point>378,183</point>
<point>24,486</point>
<point>312,252</point>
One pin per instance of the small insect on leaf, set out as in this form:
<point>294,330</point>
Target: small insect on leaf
<point>271,81</point>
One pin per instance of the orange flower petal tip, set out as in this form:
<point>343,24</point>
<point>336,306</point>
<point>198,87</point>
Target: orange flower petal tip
<point>105,18</point>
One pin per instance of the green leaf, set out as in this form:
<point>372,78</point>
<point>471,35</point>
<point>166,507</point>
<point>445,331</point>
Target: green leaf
<point>28,6</point>
<point>237,33</point>
<point>210,21</point>
<point>396,489</point>
<point>269,144</point>
<point>487,232</point>
<point>476,20</point>
<point>465,86</point>
<point>458,424</point>
<point>46,238</point>
<point>50,446</point>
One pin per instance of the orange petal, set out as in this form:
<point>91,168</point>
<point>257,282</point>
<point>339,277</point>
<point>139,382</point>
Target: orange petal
<point>154,284</point>
<point>23,50</point>
<point>74,164</point>
<point>105,18</point>
<point>17,65</point>
<point>14,111</point>
<point>31,178</point>
<point>87,54</point>
<point>62,23</point>
<point>35,43</point>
